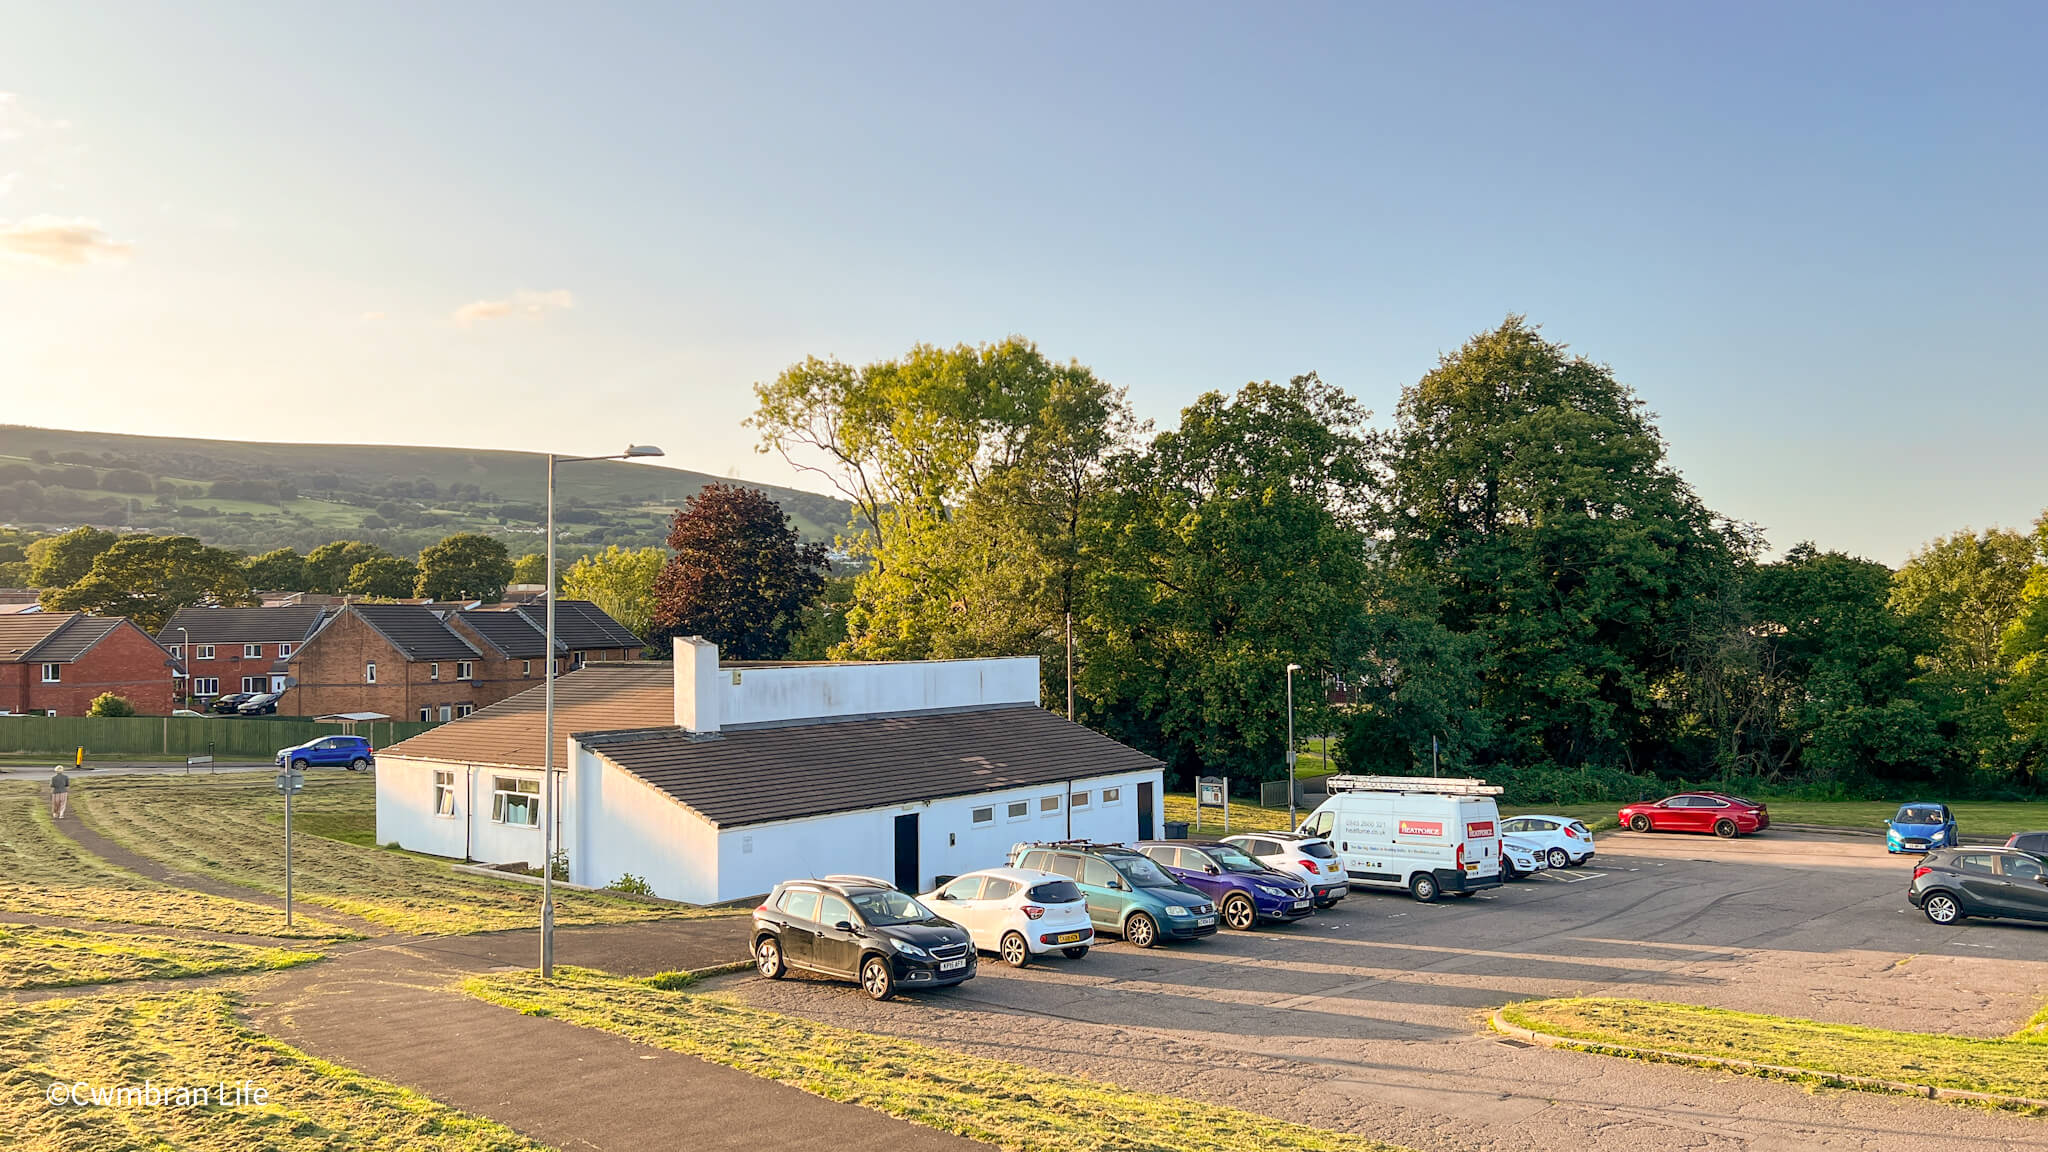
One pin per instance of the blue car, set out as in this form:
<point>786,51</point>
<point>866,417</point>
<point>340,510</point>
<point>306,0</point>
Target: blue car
<point>1245,891</point>
<point>351,752</point>
<point>1919,827</point>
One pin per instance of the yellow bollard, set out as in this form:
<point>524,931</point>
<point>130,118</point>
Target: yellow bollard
<point>81,758</point>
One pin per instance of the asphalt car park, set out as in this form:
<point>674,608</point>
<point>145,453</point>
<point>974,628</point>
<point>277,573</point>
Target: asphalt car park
<point>1370,1017</point>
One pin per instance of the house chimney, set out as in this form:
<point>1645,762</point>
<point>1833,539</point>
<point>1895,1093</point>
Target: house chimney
<point>697,686</point>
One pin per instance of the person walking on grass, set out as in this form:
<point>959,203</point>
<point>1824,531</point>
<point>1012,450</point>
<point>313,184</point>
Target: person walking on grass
<point>60,794</point>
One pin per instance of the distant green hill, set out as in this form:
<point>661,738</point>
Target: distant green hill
<point>258,496</point>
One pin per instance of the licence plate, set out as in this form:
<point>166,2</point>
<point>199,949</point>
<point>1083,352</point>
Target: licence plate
<point>949,965</point>
<point>1301,903</point>
<point>1204,921</point>
<point>1066,938</point>
<point>1471,867</point>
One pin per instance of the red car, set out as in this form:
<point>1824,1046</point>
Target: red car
<point>1723,815</point>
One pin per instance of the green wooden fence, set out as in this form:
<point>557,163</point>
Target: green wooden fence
<point>176,737</point>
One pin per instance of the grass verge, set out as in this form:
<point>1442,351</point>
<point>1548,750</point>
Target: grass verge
<point>1249,817</point>
<point>39,957</point>
<point>230,827</point>
<point>44,873</point>
<point>191,1039</point>
<point>2015,1065</point>
<point>1009,1105</point>
<point>1986,820</point>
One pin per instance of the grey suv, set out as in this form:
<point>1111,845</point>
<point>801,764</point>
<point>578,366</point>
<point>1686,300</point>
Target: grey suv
<point>1951,884</point>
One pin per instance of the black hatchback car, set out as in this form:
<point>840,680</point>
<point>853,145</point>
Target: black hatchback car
<point>859,928</point>
<point>1951,884</point>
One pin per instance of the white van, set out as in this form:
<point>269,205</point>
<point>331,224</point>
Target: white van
<point>1427,835</point>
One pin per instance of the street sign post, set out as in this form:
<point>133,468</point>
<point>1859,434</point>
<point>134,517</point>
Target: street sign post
<point>291,781</point>
<point>192,762</point>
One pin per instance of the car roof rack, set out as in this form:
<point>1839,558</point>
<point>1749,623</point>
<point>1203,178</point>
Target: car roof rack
<point>851,878</point>
<point>1078,845</point>
<point>1439,785</point>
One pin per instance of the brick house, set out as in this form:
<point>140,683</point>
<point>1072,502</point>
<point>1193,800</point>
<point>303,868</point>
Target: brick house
<point>414,662</point>
<point>237,649</point>
<point>57,662</point>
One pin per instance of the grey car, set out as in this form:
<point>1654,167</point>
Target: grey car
<point>1952,884</point>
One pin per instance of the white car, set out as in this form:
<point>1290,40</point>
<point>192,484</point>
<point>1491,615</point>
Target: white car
<point>1308,857</point>
<point>1520,857</point>
<point>1017,913</point>
<point>1566,842</point>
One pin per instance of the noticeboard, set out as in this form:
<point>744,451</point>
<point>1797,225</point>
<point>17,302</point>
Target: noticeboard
<point>1209,792</point>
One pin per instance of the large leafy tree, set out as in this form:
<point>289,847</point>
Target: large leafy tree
<point>148,578</point>
<point>279,568</point>
<point>1529,487</point>
<point>618,580</point>
<point>329,565</point>
<point>465,566</point>
<point>738,577</point>
<point>2025,648</point>
<point>383,578</point>
<point>531,568</point>
<point>58,561</point>
<point>1969,585</point>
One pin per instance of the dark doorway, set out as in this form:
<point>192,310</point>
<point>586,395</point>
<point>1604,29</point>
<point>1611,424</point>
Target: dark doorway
<point>1145,810</point>
<point>906,852</point>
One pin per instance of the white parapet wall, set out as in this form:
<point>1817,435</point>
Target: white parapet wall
<point>710,697</point>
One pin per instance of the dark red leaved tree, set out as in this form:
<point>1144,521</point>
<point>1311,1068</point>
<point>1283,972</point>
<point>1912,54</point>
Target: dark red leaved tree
<point>738,577</point>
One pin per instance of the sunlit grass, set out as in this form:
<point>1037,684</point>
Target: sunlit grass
<point>43,957</point>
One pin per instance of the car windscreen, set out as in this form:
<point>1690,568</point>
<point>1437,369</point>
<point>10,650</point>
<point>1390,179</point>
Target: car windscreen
<point>1055,892</point>
<point>882,909</point>
<point>1140,870</point>
<point>1318,849</point>
<point>1234,859</point>
<point>1918,814</point>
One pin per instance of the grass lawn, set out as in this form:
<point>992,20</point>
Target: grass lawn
<point>1009,1105</point>
<point>231,827</point>
<point>2015,1065</point>
<point>45,873</point>
<point>188,1039</point>
<point>1977,821</point>
<point>37,957</point>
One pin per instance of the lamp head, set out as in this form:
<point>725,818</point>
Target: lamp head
<point>1294,667</point>
<point>636,450</point>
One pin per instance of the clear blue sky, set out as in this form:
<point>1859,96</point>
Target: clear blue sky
<point>1811,237</point>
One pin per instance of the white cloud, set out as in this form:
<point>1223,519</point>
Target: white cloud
<point>60,242</point>
<point>517,304</point>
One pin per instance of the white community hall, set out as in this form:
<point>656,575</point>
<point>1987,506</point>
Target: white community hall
<point>714,782</point>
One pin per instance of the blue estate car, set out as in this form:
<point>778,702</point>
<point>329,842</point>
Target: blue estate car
<point>1246,892</point>
<point>1919,827</point>
<point>351,752</point>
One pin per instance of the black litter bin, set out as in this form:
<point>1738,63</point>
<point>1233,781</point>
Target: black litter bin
<point>1176,829</point>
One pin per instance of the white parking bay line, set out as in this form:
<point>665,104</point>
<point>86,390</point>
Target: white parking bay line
<point>1574,878</point>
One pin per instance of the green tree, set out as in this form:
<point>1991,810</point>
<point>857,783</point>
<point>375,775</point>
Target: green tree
<point>329,565</point>
<point>108,704</point>
<point>738,577</point>
<point>821,624</point>
<point>147,578</point>
<point>280,569</point>
<point>531,568</point>
<point>465,566</point>
<point>620,581</point>
<point>58,561</point>
<point>1970,586</point>
<point>383,577</point>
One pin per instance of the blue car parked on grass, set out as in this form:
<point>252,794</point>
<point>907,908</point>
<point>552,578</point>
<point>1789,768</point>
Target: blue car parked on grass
<point>351,752</point>
<point>1920,827</point>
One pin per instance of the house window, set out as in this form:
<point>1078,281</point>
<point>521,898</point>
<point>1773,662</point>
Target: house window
<point>177,651</point>
<point>1080,800</point>
<point>1047,805</point>
<point>433,671</point>
<point>254,683</point>
<point>52,673</point>
<point>526,667</point>
<point>283,650</point>
<point>203,652</point>
<point>1112,796</point>
<point>206,685</point>
<point>444,793</point>
<point>444,713</point>
<point>1019,809</point>
<point>462,710</point>
<point>985,815</point>
<point>515,801</point>
<point>252,651</point>
<point>426,715</point>
<point>370,672</point>
<point>465,670</point>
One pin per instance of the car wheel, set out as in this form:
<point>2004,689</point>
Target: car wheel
<point>1508,874</point>
<point>768,958</point>
<point>1942,908</point>
<point>1076,952</point>
<point>1725,828</point>
<point>1422,886</point>
<point>1239,913</point>
<point>1639,823</point>
<point>358,764</point>
<point>1141,931</point>
<point>1015,951</point>
<point>1559,858</point>
<point>876,979</point>
<point>299,764</point>
<point>1330,903</point>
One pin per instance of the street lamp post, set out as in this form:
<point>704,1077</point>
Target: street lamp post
<point>1291,670</point>
<point>185,661</point>
<point>547,756</point>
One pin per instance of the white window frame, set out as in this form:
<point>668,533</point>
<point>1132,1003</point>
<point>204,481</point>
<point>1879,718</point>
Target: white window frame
<point>526,668</point>
<point>462,710</point>
<point>523,791</point>
<point>255,683</point>
<point>426,714</point>
<point>1048,805</point>
<point>465,669</point>
<point>986,814</point>
<point>444,793</point>
<point>202,652</point>
<point>1078,800</point>
<point>433,671</point>
<point>53,673</point>
<point>177,651</point>
<point>1111,797</point>
<point>369,672</point>
<point>252,651</point>
<point>446,713</point>
<point>206,685</point>
<point>1016,810</point>
<point>283,650</point>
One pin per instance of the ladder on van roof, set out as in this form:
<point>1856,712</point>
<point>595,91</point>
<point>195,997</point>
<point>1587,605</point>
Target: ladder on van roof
<point>1441,786</point>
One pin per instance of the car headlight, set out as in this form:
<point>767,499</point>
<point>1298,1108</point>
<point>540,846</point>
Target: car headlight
<point>1176,910</point>
<point>1938,836</point>
<point>909,949</point>
<point>1275,893</point>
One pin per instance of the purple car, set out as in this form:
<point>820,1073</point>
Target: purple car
<point>1245,891</point>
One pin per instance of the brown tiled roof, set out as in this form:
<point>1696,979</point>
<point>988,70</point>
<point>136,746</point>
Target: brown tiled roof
<point>20,633</point>
<point>758,775</point>
<point>596,698</point>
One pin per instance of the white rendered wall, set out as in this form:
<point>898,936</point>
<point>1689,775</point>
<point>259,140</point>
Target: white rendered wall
<point>709,697</point>
<point>405,807</point>
<point>618,824</point>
